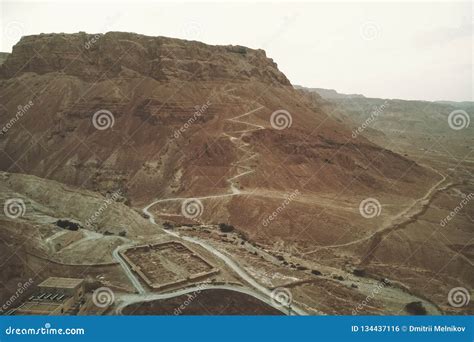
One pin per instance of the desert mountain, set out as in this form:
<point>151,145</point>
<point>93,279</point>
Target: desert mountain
<point>186,119</point>
<point>162,120</point>
<point>153,86</point>
<point>329,93</point>
<point>430,130</point>
<point>440,136</point>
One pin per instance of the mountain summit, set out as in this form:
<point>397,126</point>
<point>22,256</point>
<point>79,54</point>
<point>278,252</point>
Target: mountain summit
<point>158,117</point>
<point>114,54</point>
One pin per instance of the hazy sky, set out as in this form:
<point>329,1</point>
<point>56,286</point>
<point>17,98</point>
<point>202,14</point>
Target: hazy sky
<point>390,50</point>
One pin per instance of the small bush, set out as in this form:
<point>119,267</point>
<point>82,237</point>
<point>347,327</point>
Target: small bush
<point>168,225</point>
<point>359,272</point>
<point>65,224</point>
<point>226,228</point>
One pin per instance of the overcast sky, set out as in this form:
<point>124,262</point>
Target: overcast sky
<point>390,50</point>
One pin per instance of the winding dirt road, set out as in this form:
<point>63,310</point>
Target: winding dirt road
<point>257,290</point>
<point>128,299</point>
<point>128,272</point>
<point>406,216</point>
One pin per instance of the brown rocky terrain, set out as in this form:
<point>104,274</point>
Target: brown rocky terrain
<point>437,252</point>
<point>152,86</point>
<point>181,119</point>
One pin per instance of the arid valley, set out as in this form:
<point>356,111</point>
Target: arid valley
<point>162,176</point>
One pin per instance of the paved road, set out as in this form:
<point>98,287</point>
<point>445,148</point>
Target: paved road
<point>128,299</point>
<point>128,272</point>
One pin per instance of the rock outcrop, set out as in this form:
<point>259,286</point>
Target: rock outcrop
<point>167,107</point>
<point>114,54</point>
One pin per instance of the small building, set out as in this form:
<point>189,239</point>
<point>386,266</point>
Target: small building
<point>54,296</point>
<point>71,287</point>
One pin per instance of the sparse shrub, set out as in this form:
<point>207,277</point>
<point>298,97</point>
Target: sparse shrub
<point>168,225</point>
<point>415,308</point>
<point>359,272</point>
<point>65,224</point>
<point>226,228</point>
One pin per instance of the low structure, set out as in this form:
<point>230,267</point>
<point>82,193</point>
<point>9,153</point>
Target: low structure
<point>168,264</point>
<point>54,296</point>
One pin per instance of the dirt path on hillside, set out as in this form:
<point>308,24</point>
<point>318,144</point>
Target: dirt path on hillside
<point>248,154</point>
<point>399,221</point>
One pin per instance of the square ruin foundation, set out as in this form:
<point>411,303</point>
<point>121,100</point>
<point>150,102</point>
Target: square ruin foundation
<point>168,264</point>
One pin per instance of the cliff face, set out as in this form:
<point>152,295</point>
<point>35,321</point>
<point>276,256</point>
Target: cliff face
<point>147,118</point>
<point>182,119</point>
<point>114,54</point>
<point>3,57</point>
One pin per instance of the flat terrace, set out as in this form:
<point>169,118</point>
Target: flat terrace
<point>168,264</point>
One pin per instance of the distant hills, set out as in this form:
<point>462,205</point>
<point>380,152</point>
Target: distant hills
<point>399,124</point>
<point>330,93</point>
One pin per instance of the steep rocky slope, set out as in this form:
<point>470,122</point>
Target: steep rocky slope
<point>437,253</point>
<point>155,118</point>
<point>412,127</point>
<point>153,87</point>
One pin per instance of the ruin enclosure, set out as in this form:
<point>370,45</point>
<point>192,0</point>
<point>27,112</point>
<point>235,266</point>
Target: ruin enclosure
<point>164,265</point>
